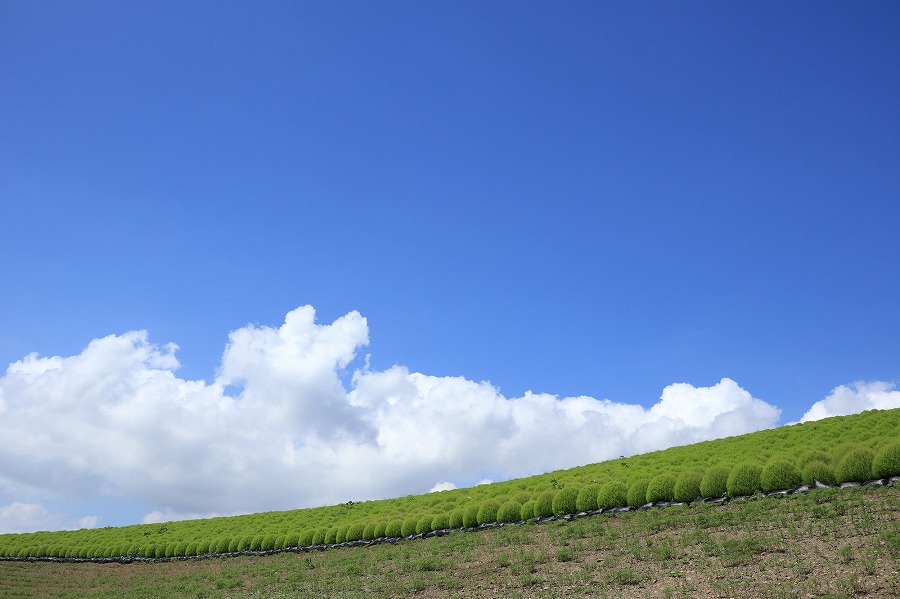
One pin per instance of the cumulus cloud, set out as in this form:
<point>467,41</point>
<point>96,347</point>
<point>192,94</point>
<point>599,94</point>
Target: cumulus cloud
<point>28,517</point>
<point>860,396</point>
<point>277,428</point>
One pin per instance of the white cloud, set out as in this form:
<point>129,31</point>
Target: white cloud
<point>445,486</point>
<point>28,517</point>
<point>115,423</point>
<point>860,396</point>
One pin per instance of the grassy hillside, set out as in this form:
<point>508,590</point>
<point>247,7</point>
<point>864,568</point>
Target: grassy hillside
<point>833,543</point>
<point>852,448</point>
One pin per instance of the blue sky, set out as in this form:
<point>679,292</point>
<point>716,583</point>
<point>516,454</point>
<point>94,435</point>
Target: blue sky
<point>576,199</point>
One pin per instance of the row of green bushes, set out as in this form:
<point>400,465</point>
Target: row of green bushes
<point>852,448</point>
<point>857,465</point>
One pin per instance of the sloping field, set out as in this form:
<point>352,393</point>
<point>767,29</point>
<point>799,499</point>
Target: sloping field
<point>706,541</point>
<point>831,543</point>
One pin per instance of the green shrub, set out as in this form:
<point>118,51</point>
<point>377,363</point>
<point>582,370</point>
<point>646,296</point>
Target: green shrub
<point>280,541</point>
<point>855,466</point>
<point>456,518</point>
<point>812,455</point>
<point>838,453</point>
<point>409,526</point>
<point>240,544</point>
<point>487,512</point>
<point>470,515</point>
<point>612,494</point>
<point>331,535</point>
<point>355,532</point>
<point>527,512</point>
<point>587,498</point>
<point>380,529</point>
<point>341,535</point>
<point>543,505</point>
<point>510,511</point>
<point>522,497</point>
<point>369,532</point>
<point>565,502</point>
<point>817,470</point>
<point>778,475</point>
<point>268,543</point>
<point>687,486</point>
<point>319,536</point>
<point>744,479</point>
<point>293,539</point>
<point>715,482</point>
<point>887,461</point>
<point>661,488</point>
<point>440,522</point>
<point>394,528</point>
<point>424,524</point>
<point>637,492</point>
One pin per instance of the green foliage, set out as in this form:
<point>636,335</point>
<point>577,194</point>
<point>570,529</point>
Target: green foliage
<point>424,524</point>
<point>331,535</point>
<point>527,512</point>
<point>470,515</point>
<point>818,470</point>
<point>744,479</point>
<point>487,512</point>
<point>887,461</point>
<point>565,502</point>
<point>612,494</point>
<point>440,522</point>
<point>319,536</point>
<point>394,528</point>
<point>409,526</point>
<point>355,532</point>
<point>855,466</point>
<point>510,511</point>
<point>687,486</point>
<point>661,488</point>
<point>305,538</point>
<point>456,518</point>
<point>812,455</point>
<point>637,492</point>
<point>380,529</point>
<point>543,505</point>
<point>778,475</point>
<point>587,498</point>
<point>715,482</point>
<point>341,535</point>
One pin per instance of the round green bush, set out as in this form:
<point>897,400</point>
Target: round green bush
<point>355,532</point>
<point>341,535</point>
<point>510,511</point>
<point>565,502</point>
<point>331,535</point>
<point>744,479</point>
<point>661,488</point>
<point>522,497</point>
<point>612,494</point>
<point>637,492</point>
<point>715,482</point>
<point>280,541</point>
<point>812,455</point>
<point>424,524</point>
<point>409,526</point>
<point>855,466</point>
<point>487,512</point>
<point>456,518</point>
<point>838,453</point>
<point>527,512</point>
<point>292,539</point>
<point>369,532</point>
<point>687,486</point>
<point>319,536</point>
<point>394,528</point>
<point>887,461</point>
<point>543,505</point>
<point>267,543</point>
<point>587,498</point>
<point>779,475</point>
<point>305,537</point>
<point>240,544</point>
<point>440,522</point>
<point>470,515</point>
<point>170,550</point>
<point>818,470</point>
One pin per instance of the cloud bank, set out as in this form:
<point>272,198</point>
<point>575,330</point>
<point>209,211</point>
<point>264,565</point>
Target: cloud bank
<point>277,428</point>
<point>856,398</point>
